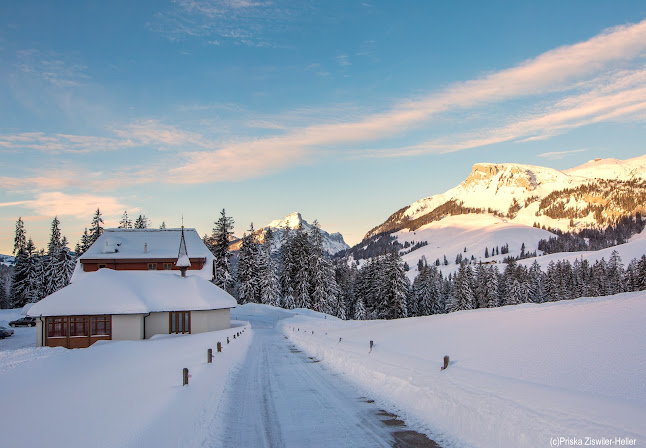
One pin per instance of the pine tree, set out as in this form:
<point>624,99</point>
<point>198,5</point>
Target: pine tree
<point>20,240</point>
<point>537,289</point>
<point>359,310</point>
<point>126,222</point>
<point>395,288</point>
<point>248,277</point>
<point>463,294</point>
<point>142,222</point>
<point>324,288</point>
<point>55,239</point>
<point>641,273</point>
<point>301,264</point>
<point>270,291</point>
<point>162,226</point>
<point>492,287</point>
<point>615,274</point>
<point>221,236</point>
<point>96,229</point>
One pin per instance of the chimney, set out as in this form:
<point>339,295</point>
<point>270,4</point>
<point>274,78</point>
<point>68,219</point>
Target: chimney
<point>145,248</point>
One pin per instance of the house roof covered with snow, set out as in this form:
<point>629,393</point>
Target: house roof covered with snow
<point>145,243</point>
<point>133,292</point>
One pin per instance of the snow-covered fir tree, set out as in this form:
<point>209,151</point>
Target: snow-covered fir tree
<point>325,293</point>
<point>96,228</point>
<point>462,297</point>
<point>142,222</point>
<point>220,239</point>
<point>125,222</point>
<point>248,277</point>
<point>20,240</point>
<point>359,310</point>
<point>616,272</point>
<point>269,286</point>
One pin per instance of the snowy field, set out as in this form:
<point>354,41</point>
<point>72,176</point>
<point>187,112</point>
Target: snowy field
<point>519,375</point>
<point>117,393</point>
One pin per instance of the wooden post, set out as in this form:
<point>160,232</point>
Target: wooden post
<point>209,356</point>
<point>312,331</point>
<point>340,339</point>
<point>227,339</point>
<point>446,362</point>
<point>219,347</point>
<point>371,343</point>
<point>185,377</point>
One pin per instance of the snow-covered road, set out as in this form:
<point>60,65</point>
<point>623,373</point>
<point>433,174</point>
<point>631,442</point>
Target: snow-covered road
<point>283,398</point>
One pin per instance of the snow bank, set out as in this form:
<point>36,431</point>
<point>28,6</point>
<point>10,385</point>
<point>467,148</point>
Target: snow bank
<point>118,393</point>
<point>519,375</point>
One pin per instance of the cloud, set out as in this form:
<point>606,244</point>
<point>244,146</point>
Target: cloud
<point>554,155</point>
<point>586,65</point>
<point>51,68</point>
<point>622,97</point>
<point>343,60</point>
<point>81,205</point>
<point>572,86</point>
<point>238,22</point>
<point>137,134</point>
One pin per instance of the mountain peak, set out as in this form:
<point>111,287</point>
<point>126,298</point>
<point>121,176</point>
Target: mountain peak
<point>291,221</point>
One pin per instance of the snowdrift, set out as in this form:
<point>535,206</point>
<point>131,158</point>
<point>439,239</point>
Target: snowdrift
<point>519,375</point>
<point>118,393</point>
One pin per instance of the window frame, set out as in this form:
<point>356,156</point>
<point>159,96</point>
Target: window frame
<point>106,320</point>
<point>52,322</point>
<point>152,266</point>
<point>175,318</point>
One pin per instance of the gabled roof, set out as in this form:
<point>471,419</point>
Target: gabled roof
<point>159,243</point>
<point>133,292</point>
<point>149,244</point>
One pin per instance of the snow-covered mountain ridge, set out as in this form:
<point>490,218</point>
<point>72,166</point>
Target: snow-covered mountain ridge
<point>591,195</point>
<point>332,242</point>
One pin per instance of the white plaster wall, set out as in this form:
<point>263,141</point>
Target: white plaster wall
<point>127,327</point>
<point>157,323</point>
<point>39,333</point>
<point>211,320</point>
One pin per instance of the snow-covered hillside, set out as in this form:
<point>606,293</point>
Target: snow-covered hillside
<point>332,242</point>
<point>528,194</point>
<point>611,169</point>
<point>477,233</point>
<point>633,248</point>
<point>519,375</point>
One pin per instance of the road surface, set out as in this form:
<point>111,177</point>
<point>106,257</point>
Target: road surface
<point>283,398</point>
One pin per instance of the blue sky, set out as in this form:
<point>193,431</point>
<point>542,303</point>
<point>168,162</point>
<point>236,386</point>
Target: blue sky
<point>345,111</point>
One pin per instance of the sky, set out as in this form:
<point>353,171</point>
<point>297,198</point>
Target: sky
<point>342,110</point>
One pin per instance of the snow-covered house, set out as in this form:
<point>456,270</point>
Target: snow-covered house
<point>145,250</point>
<point>113,297</point>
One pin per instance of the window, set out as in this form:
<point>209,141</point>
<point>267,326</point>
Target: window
<point>100,326</point>
<point>168,266</point>
<point>56,327</point>
<point>180,321</point>
<point>79,326</point>
<point>152,266</point>
<point>101,266</point>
